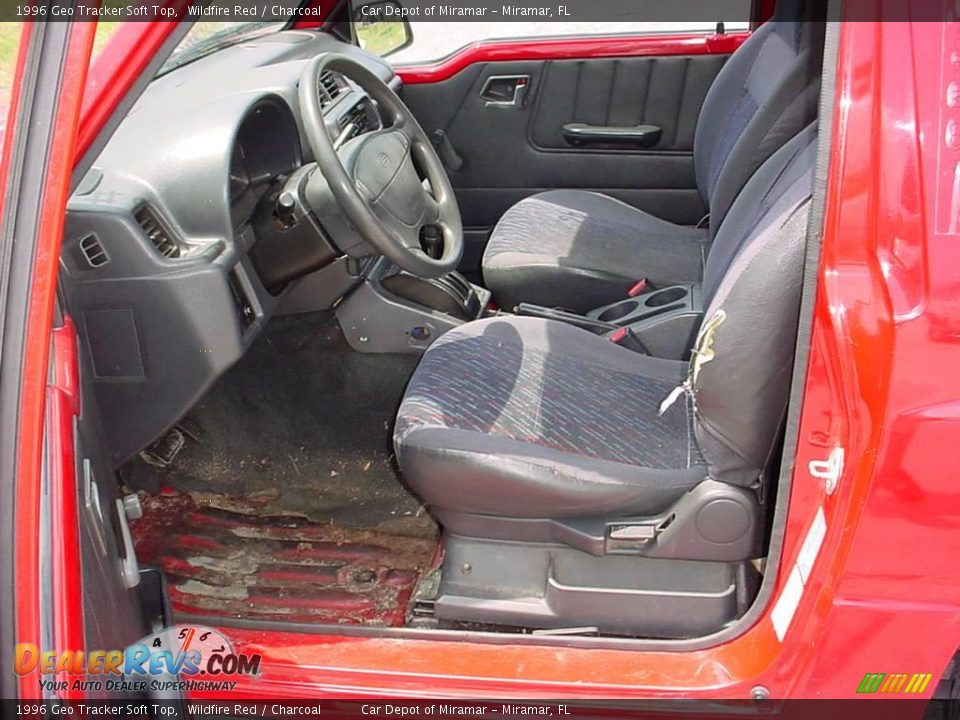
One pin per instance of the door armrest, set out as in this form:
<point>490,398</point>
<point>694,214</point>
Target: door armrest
<point>581,134</point>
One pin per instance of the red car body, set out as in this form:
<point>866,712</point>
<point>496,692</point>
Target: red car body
<point>882,594</point>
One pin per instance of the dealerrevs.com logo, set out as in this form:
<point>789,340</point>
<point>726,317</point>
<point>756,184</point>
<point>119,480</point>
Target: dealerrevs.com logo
<point>184,657</point>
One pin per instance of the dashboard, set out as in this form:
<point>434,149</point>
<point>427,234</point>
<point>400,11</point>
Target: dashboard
<point>174,257</point>
<point>267,147</point>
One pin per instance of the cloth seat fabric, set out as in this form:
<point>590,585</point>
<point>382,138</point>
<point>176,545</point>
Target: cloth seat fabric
<point>529,418</point>
<point>540,419</point>
<point>580,250</point>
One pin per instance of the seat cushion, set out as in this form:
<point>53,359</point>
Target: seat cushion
<point>524,417</point>
<point>580,250</point>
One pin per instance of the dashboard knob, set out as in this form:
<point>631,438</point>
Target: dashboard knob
<point>286,203</point>
<point>286,207</point>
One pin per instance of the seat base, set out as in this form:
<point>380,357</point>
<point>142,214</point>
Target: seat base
<point>713,521</point>
<point>547,586</point>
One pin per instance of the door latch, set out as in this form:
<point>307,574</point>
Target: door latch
<point>828,470</point>
<point>505,91</point>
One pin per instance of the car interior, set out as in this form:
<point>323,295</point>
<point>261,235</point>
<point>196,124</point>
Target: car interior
<point>509,353</point>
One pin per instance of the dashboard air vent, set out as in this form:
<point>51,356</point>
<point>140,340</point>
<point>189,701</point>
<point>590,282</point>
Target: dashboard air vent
<point>157,232</point>
<point>331,85</point>
<point>93,252</point>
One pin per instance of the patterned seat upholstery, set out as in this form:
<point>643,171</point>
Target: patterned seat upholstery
<point>580,250</point>
<point>551,416</point>
<point>525,418</point>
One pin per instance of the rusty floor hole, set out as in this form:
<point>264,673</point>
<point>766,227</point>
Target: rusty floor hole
<point>240,563</point>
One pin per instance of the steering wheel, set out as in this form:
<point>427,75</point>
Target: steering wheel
<point>374,177</point>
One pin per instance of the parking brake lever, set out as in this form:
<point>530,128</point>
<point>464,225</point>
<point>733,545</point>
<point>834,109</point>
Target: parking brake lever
<point>581,321</point>
<point>445,149</point>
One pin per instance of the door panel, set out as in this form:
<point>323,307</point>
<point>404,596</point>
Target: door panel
<point>662,91</point>
<point>509,153</point>
<point>105,610</point>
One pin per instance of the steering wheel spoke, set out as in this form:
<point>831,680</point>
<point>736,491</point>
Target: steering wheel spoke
<point>432,212</point>
<point>399,123</point>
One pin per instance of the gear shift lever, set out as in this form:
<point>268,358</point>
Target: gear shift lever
<point>451,293</point>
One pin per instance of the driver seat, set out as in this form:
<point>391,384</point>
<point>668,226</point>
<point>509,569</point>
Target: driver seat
<point>536,432</point>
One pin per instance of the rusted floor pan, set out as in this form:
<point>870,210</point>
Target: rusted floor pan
<point>241,564</point>
<point>286,504</point>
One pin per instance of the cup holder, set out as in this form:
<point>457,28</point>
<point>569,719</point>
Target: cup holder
<point>620,310</point>
<point>664,297</point>
<point>630,311</point>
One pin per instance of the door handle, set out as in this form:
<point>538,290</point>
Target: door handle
<point>643,136</point>
<point>129,568</point>
<point>505,91</point>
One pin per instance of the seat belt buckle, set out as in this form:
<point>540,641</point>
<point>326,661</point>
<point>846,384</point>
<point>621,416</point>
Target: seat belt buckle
<point>624,337</point>
<point>637,288</point>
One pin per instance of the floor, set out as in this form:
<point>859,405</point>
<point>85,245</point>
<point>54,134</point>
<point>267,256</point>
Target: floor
<point>287,505</point>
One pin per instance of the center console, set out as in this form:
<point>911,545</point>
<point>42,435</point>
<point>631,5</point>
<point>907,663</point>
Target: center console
<point>660,322</point>
<point>392,311</point>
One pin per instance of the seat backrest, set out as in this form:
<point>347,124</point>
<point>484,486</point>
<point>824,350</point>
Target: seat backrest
<point>742,364</point>
<point>765,94</point>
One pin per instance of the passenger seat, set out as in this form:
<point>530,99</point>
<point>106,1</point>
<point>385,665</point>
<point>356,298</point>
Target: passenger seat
<point>580,250</point>
<point>584,485</point>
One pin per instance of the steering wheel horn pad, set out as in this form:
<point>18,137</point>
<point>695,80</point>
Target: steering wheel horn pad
<point>384,172</point>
